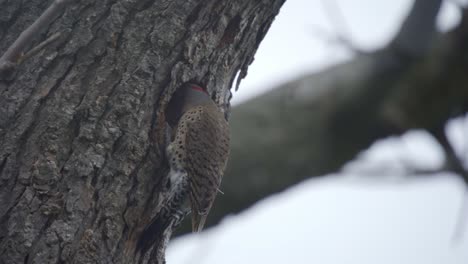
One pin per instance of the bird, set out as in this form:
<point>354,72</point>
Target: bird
<point>197,155</point>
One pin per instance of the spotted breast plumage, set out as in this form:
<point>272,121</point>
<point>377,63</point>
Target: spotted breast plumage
<point>201,147</point>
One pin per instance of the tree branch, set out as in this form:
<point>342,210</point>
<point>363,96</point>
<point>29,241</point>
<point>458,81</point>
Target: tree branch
<point>314,125</point>
<point>343,35</point>
<point>418,30</point>
<point>39,47</point>
<point>14,54</point>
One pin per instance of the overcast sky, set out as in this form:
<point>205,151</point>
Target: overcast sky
<point>341,219</point>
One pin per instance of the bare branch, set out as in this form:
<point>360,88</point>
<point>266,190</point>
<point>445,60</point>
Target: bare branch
<point>417,32</point>
<point>343,35</point>
<point>332,116</point>
<point>39,47</point>
<point>454,164</point>
<point>14,54</point>
<point>460,224</point>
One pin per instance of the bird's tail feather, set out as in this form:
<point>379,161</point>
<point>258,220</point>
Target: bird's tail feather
<point>198,222</point>
<point>170,216</point>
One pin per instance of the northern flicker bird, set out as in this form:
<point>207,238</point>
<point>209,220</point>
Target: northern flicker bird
<point>197,155</point>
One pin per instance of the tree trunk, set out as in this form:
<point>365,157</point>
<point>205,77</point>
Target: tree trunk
<point>81,123</point>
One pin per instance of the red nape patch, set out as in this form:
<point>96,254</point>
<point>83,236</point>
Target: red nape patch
<point>197,88</point>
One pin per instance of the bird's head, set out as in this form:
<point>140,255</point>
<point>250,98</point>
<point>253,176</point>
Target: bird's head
<point>187,96</point>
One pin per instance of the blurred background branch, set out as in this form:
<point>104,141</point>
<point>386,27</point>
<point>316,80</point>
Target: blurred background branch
<point>314,125</point>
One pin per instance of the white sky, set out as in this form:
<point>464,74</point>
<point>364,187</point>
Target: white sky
<point>341,220</point>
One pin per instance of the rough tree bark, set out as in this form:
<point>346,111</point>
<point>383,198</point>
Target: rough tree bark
<point>81,160</point>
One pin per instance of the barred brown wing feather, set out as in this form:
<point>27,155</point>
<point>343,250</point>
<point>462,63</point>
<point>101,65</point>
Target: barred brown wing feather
<point>207,143</point>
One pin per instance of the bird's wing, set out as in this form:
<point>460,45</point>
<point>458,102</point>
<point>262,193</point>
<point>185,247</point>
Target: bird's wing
<point>207,143</point>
